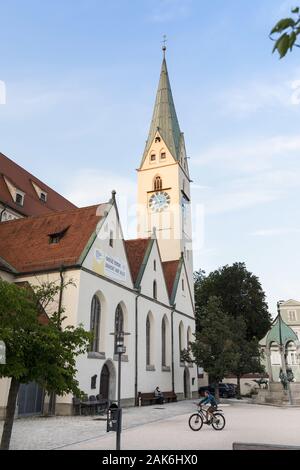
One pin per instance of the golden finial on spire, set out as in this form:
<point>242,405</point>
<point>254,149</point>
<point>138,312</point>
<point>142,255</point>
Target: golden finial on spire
<point>164,48</point>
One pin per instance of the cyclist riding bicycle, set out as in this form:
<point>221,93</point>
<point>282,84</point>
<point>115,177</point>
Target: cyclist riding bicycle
<point>209,398</point>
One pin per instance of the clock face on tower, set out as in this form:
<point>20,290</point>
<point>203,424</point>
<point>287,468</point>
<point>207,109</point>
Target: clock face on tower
<point>159,201</point>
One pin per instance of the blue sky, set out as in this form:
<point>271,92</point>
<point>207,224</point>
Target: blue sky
<point>81,77</point>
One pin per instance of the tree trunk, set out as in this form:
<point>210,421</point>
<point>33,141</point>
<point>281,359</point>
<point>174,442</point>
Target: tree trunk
<point>10,414</point>
<point>52,404</point>
<point>217,391</point>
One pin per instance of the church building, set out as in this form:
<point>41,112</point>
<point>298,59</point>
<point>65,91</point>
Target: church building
<point>143,287</point>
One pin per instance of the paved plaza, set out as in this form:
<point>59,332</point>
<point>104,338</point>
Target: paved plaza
<point>162,427</point>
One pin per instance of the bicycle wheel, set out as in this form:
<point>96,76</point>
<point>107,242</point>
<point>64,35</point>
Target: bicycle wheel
<point>195,422</point>
<point>218,422</point>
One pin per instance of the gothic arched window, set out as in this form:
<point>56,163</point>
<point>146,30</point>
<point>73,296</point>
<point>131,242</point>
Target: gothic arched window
<point>157,183</point>
<point>95,324</point>
<point>148,341</point>
<point>163,343</point>
<point>119,324</point>
<point>181,339</point>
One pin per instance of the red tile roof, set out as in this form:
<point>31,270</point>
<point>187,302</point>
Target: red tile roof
<point>170,270</point>
<point>22,180</point>
<point>24,243</point>
<point>136,250</point>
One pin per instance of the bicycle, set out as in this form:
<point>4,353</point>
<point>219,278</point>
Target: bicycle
<point>197,420</point>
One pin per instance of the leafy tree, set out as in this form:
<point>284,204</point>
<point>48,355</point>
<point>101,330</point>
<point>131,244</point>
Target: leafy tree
<point>213,348</point>
<point>240,294</point>
<point>43,352</point>
<point>247,352</point>
<point>288,30</point>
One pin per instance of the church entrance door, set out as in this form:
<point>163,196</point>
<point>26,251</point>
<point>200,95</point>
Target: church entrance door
<point>104,382</point>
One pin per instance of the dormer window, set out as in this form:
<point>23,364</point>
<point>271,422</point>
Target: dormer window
<point>152,157</point>
<point>43,197</point>
<point>19,199</point>
<point>54,238</point>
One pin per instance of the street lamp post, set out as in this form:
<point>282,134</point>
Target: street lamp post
<point>120,349</point>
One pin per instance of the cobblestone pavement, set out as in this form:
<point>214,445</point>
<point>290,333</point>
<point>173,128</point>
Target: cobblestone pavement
<point>162,427</point>
<point>56,432</point>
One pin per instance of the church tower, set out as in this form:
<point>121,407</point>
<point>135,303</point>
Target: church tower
<point>164,198</point>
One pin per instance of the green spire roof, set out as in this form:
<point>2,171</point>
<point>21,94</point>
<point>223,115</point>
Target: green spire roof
<point>164,117</point>
<point>280,333</point>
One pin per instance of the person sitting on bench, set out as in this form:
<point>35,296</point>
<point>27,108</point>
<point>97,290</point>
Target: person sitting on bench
<point>159,396</point>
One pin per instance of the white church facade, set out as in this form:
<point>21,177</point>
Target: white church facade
<point>143,287</point>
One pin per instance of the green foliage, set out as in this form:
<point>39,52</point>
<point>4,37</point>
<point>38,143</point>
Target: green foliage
<point>37,352</point>
<point>213,348</point>
<point>231,317</point>
<point>240,295</point>
<point>248,352</point>
<point>288,30</point>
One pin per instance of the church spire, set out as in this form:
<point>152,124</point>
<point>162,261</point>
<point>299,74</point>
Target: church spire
<point>164,119</point>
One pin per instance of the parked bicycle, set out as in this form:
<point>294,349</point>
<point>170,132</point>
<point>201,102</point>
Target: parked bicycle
<point>197,420</point>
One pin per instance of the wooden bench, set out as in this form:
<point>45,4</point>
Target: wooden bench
<point>170,396</point>
<point>150,399</point>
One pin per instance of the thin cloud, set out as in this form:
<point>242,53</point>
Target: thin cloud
<point>275,232</point>
<point>170,10</point>
<point>257,96</point>
<point>249,156</point>
<point>92,186</point>
<point>246,192</point>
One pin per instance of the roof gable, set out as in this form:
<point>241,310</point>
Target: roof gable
<point>170,272</point>
<point>137,254</point>
<point>105,254</point>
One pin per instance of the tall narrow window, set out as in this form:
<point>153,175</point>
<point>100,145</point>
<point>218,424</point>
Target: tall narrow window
<point>154,265</point>
<point>148,341</point>
<point>95,324</point>
<point>154,290</point>
<point>182,284</point>
<point>181,340</point>
<point>163,343</point>
<point>157,183</point>
<point>111,238</point>
<point>119,324</point>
